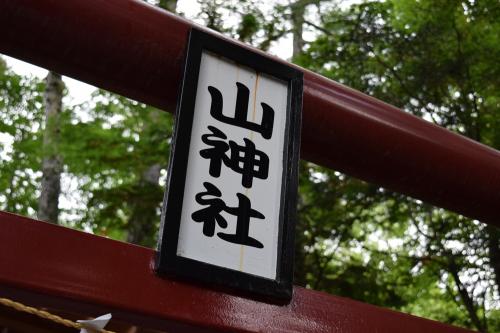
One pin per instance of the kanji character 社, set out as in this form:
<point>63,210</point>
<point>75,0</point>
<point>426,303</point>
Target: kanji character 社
<point>211,215</point>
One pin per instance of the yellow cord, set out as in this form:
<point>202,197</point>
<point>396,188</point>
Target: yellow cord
<point>44,314</point>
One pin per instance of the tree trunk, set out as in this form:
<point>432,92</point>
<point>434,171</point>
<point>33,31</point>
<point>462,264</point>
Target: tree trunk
<point>48,205</point>
<point>467,299</point>
<point>141,225</point>
<point>170,5</point>
<point>494,253</point>
<point>298,12</point>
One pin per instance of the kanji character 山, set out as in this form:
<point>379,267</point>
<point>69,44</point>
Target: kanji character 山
<point>265,128</point>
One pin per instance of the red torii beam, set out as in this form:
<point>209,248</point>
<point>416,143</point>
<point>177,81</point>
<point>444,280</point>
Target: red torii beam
<point>50,266</point>
<point>137,50</point>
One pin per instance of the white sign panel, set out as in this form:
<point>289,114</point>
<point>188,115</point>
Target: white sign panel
<point>231,206</point>
<point>235,167</point>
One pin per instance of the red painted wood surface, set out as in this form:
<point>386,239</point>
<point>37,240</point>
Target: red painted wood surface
<point>90,274</point>
<point>135,49</point>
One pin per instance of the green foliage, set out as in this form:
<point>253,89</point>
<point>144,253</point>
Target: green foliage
<point>117,154</point>
<point>20,132</point>
<point>113,149</point>
<point>254,25</point>
<point>438,60</point>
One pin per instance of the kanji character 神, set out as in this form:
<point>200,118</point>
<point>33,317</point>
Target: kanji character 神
<point>246,159</point>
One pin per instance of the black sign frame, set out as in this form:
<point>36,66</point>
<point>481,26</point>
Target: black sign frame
<point>167,261</point>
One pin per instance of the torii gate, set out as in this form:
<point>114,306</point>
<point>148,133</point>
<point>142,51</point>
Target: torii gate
<point>135,49</point>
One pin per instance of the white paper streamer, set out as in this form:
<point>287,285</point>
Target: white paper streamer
<point>94,325</point>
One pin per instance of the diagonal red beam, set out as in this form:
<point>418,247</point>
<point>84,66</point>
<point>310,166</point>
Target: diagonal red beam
<point>51,266</point>
<point>137,50</point>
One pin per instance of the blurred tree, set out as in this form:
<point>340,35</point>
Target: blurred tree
<point>117,152</point>
<point>126,146</point>
<point>438,61</point>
